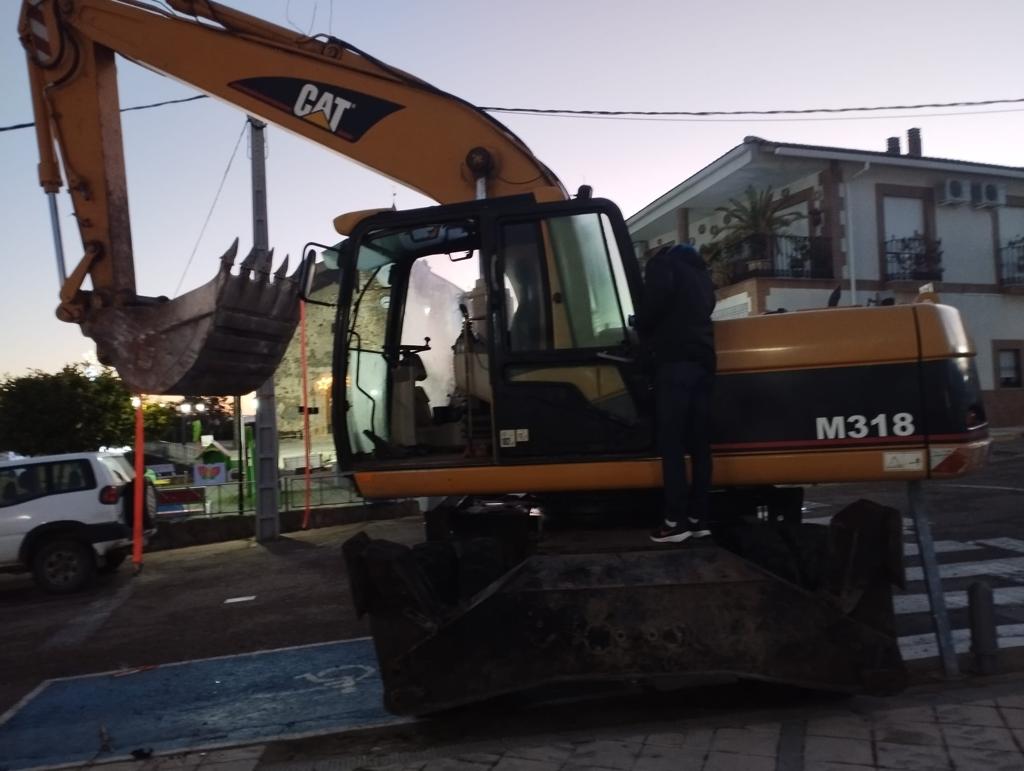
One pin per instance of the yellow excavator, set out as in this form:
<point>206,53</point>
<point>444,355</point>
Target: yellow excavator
<point>485,355</point>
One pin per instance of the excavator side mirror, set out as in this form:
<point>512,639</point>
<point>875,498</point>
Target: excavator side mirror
<point>307,272</point>
<point>306,275</point>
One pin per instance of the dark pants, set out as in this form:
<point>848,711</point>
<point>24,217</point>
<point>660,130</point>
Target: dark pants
<point>683,403</point>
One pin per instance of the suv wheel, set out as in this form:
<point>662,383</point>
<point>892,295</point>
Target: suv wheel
<point>63,565</point>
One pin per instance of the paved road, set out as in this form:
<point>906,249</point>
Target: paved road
<point>239,597</point>
<point>178,608</point>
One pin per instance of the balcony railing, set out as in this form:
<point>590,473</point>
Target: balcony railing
<point>1012,258</point>
<point>913,259</point>
<point>778,257</point>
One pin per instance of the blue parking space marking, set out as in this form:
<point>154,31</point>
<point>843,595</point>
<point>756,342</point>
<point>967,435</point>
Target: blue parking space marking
<point>249,698</point>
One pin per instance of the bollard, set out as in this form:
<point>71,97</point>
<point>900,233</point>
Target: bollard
<point>984,641</point>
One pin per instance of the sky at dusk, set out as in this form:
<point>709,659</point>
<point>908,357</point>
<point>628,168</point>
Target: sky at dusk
<point>593,54</point>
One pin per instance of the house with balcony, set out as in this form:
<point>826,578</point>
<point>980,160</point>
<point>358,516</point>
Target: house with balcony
<point>877,225</point>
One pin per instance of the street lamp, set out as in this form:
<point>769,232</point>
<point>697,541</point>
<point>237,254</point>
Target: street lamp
<point>186,409</point>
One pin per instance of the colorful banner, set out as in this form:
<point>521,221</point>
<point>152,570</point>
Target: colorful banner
<point>209,473</point>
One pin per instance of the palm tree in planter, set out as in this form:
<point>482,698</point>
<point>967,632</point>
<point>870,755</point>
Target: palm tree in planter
<point>752,224</point>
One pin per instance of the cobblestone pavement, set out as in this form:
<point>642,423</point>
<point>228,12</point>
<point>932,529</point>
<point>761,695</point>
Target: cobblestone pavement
<point>930,729</point>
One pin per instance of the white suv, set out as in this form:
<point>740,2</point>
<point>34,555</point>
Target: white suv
<point>65,517</point>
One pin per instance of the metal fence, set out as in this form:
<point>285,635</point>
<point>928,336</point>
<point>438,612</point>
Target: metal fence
<point>1012,258</point>
<point>780,256</point>
<point>913,259</point>
<point>183,501</point>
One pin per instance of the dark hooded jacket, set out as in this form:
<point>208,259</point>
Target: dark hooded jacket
<point>675,318</point>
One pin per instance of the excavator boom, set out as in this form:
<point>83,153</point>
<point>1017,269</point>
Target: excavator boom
<point>229,335</point>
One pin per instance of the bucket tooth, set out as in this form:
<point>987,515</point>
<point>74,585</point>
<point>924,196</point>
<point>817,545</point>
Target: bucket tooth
<point>227,260</point>
<point>282,270</point>
<point>246,266</point>
<point>261,266</point>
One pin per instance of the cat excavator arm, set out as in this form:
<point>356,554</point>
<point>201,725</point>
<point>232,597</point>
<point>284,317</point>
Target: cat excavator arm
<point>229,335</point>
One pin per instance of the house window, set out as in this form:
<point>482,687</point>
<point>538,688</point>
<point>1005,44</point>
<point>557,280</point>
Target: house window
<point>1008,365</point>
<point>908,248</point>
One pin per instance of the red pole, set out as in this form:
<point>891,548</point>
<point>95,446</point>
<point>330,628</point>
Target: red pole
<point>140,486</point>
<point>305,409</point>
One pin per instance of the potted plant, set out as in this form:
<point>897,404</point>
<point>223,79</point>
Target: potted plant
<point>928,265</point>
<point>753,223</point>
<point>798,259</point>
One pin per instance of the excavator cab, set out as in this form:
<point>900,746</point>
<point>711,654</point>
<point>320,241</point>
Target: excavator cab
<point>489,332</point>
<point>488,347</point>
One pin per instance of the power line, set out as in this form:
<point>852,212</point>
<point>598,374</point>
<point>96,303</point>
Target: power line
<point>123,109</point>
<point>712,113</point>
<point>209,214</point>
<point>795,119</point>
<point>17,126</point>
<point>161,104</point>
<point>706,116</point>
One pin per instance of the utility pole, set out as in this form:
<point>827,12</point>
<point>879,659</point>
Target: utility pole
<point>268,525</point>
<point>240,452</point>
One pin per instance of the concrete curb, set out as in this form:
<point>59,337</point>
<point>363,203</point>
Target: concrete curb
<point>200,530</point>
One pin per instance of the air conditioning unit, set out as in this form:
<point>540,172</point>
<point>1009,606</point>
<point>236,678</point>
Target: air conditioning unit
<point>953,191</point>
<point>987,194</point>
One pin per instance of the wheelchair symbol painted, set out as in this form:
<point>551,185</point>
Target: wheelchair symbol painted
<point>342,678</point>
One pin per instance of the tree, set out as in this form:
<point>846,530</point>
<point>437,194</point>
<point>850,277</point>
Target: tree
<point>160,421</point>
<point>758,214</point>
<point>68,411</point>
<point>751,223</point>
<point>218,419</point>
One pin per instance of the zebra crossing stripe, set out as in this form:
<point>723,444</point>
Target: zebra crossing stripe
<point>1010,568</point>
<point>906,604</point>
<point>942,547</point>
<point>1009,544</point>
<point>923,646</point>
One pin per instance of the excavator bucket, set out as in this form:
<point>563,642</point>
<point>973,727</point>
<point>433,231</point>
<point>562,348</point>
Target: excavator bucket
<point>650,613</point>
<point>223,338</point>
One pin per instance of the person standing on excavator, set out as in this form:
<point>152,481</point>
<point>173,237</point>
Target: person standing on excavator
<point>675,323</point>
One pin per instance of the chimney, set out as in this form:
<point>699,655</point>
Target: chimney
<point>914,143</point>
<point>892,145</point>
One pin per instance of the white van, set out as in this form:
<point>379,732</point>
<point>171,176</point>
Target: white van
<point>65,517</point>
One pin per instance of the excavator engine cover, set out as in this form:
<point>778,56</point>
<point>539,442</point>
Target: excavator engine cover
<point>652,614</point>
<point>225,337</point>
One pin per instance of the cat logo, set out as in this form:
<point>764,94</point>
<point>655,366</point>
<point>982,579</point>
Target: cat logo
<point>340,111</point>
<point>321,107</point>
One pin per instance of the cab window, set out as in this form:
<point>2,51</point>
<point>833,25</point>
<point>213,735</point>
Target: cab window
<point>565,285</point>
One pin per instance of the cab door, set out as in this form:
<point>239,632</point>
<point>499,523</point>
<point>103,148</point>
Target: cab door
<point>567,379</point>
